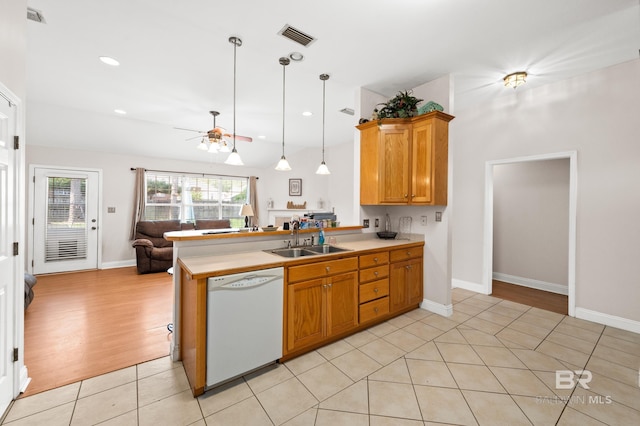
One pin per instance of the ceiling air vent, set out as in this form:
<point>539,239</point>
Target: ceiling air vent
<point>296,35</point>
<point>347,111</point>
<point>35,15</point>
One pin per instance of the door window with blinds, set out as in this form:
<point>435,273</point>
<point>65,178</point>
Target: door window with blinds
<point>189,197</point>
<point>66,231</point>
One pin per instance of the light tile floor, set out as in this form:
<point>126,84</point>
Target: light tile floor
<point>493,362</point>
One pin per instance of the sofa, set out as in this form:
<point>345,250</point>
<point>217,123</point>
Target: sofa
<point>153,252</point>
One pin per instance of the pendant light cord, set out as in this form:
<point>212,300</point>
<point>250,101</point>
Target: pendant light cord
<point>324,82</point>
<point>284,62</point>
<point>235,47</point>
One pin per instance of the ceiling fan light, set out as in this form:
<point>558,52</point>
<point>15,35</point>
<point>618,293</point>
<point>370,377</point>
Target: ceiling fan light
<point>283,165</point>
<point>234,159</point>
<point>202,146</point>
<point>213,148</point>
<point>224,147</point>
<point>323,169</point>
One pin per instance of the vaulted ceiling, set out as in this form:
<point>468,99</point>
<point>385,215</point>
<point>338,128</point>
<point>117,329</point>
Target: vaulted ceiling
<point>176,64</point>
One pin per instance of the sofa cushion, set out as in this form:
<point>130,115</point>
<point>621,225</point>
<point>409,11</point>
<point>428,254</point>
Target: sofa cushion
<point>153,230</point>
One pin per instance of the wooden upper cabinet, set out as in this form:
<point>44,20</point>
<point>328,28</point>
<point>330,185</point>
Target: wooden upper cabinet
<point>405,160</point>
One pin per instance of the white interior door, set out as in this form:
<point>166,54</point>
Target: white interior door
<point>8,271</point>
<point>65,228</point>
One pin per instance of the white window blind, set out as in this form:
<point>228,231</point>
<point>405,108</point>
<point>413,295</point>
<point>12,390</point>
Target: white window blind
<point>66,230</point>
<point>188,197</point>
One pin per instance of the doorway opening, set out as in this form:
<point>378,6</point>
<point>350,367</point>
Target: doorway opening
<point>488,264</point>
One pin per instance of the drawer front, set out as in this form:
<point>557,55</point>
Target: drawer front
<point>322,269</point>
<point>372,310</point>
<point>374,290</point>
<point>404,254</point>
<point>369,260</point>
<point>376,273</point>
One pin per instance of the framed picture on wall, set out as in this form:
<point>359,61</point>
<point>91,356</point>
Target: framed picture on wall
<point>295,187</point>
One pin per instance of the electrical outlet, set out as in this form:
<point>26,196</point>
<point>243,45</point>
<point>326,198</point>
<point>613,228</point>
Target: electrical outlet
<point>111,209</point>
<point>438,216</point>
<point>365,223</point>
<point>377,222</point>
<point>423,220</point>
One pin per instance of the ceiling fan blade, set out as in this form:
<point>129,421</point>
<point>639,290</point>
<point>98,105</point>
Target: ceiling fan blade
<point>238,137</point>
<point>189,130</point>
<point>192,138</point>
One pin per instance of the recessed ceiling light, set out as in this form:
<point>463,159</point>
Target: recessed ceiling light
<point>262,137</point>
<point>109,61</point>
<point>296,56</point>
<point>307,113</point>
<point>120,111</point>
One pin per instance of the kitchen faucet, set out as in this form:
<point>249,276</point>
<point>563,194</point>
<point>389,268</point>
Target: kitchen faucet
<point>295,231</point>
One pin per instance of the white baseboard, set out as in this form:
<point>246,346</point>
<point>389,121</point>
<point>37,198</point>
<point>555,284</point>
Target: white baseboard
<point>531,283</point>
<point>610,320</point>
<point>24,379</point>
<point>468,285</point>
<point>438,308</point>
<point>118,264</point>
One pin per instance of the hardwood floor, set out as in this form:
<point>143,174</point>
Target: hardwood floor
<point>540,299</point>
<point>84,324</point>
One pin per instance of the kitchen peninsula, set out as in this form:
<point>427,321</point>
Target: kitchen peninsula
<point>326,296</point>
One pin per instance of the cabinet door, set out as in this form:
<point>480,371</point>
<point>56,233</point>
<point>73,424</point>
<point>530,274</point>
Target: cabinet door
<point>397,286</point>
<point>414,282</point>
<point>369,163</point>
<point>306,315</point>
<point>405,284</point>
<point>394,164</point>
<point>422,162</point>
<point>342,303</point>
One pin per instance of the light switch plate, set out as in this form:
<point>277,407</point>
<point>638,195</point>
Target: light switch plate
<point>111,209</point>
<point>365,223</point>
<point>423,220</point>
<point>438,216</point>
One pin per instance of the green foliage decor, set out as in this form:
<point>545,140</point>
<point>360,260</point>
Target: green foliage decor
<point>403,105</point>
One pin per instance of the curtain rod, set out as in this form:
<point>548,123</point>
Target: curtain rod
<point>192,173</point>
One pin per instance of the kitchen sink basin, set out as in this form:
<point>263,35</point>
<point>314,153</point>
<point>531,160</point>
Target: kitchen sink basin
<point>306,251</point>
<point>292,252</point>
<point>325,249</point>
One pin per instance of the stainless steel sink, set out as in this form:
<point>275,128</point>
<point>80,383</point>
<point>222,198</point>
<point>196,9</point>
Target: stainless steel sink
<point>325,249</point>
<point>292,252</point>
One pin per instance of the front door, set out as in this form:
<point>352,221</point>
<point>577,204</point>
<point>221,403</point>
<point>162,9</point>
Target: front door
<point>8,270</point>
<point>65,228</point>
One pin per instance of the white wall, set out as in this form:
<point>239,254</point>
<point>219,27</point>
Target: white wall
<point>13,45</point>
<point>531,223</point>
<point>118,181</point>
<point>437,235</point>
<point>594,114</point>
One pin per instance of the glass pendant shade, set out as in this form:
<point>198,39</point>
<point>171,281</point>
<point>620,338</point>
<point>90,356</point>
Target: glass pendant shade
<point>234,159</point>
<point>323,169</point>
<point>213,148</point>
<point>283,165</point>
<point>202,146</point>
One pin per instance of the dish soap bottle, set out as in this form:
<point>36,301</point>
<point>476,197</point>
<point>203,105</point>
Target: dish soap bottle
<point>321,236</point>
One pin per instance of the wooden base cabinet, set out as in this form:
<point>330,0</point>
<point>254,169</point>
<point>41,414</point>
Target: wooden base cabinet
<point>320,307</point>
<point>374,286</point>
<point>405,279</point>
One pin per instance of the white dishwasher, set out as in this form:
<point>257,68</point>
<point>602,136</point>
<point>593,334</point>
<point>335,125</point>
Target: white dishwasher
<point>244,323</point>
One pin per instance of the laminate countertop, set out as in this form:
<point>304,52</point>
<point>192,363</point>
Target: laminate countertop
<point>215,265</point>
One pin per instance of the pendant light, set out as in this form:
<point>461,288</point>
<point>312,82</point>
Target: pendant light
<point>283,164</point>
<point>323,169</point>
<point>234,158</point>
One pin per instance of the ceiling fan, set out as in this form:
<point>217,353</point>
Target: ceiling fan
<point>215,137</point>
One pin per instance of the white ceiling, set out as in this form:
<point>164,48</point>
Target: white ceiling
<point>177,64</point>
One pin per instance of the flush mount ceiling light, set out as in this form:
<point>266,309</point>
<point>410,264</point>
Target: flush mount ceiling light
<point>515,79</point>
<point>109,61</point>
<point>283,164</point>
<point>234,158</point>
<point>323,169</point>
<point>307,113</point>
<point>120,111</point>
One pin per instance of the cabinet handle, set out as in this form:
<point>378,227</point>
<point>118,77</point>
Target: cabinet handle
<point>330,285</point>
<point>375,259</point>
<point>413,195</point>
<point>375,290</point>
<point>406,195</point>
<point>408,253</point>
<point>328,268</point>
<point>375,273</point>
<point>407,267</point>
<point>375,310</point>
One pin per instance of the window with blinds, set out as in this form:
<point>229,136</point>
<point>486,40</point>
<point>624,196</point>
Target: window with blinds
<point>66,230</point>
<point>190,197</point>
